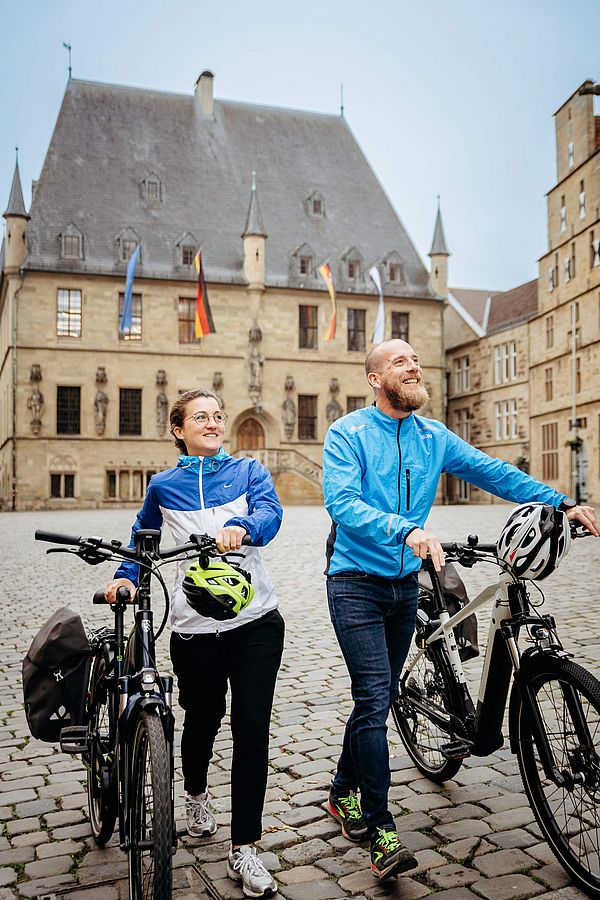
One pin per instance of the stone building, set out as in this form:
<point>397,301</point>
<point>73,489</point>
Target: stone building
<point>84,416</point>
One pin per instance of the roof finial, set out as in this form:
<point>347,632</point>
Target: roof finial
<point>17,155</point>
<point>254,181</point>
<point>438,201</point>
<point>342,99</point>
<point>67,47</point>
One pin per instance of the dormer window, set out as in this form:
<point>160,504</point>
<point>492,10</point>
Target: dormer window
<point>302,263</point>
<point>151,190</point>
<point>188,255</point>
<point>353,268</point>
<point>351,265</point>
<point>71,243</point>
<point>127,248</point>
<point>305,264</point>
<point>395,273</point>
<point>186,248</point>
<point>127,241</point>
<point>315,204</point>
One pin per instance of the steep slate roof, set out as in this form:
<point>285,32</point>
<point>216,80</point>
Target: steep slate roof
<point>438,244</point>
<point>109,138</point>
<point>16,204</point>
<point>254,222</point>
<point>513,307</point>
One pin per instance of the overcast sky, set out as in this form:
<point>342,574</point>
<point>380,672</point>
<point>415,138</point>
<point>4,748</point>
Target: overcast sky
<point>450,98</point>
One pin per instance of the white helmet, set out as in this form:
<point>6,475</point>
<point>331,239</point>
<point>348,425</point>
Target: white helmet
<point>534,540</point>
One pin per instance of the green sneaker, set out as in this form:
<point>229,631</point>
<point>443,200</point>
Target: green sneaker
<point>389,856</point>
<point>349,814</point>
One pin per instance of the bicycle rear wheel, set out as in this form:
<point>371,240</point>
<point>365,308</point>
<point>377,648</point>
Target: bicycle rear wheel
<point>421,712</point>
<point>568,700</point>
<point>151,823</point>
<point>100,761</point>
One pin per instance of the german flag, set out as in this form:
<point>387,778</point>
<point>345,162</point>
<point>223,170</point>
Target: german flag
<point>204,319</point>
<point>325,273</point>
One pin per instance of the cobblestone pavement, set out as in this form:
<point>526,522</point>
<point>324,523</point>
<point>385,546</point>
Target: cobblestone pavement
<point>473,837</point>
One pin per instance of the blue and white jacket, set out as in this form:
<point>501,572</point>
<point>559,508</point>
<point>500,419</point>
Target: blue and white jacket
<point>380,477</point>
<point>200,496</point>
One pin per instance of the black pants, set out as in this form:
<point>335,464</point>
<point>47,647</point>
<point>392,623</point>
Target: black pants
<point>247,658</point>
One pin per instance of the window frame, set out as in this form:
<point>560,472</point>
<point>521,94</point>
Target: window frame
<point>68,314</point>
<point>399,333</point>
<point>68,412</point>
<point>130,393</point>
<point>308,329</point>
<point>356,330</point>
<point>188,322</point>
<point>308,406</point>
<point>131,334</point>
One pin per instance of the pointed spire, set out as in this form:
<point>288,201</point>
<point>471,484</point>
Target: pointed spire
<point>254,222</point>
<point>438,245</point>
<point>16,204</point>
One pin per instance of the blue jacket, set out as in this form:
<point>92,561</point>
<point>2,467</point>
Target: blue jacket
<point>380,477</point>
<point>200,496</point>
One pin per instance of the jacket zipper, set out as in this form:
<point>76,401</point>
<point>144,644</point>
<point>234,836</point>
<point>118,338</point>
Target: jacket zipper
<point>407,490</point>
<point>200,484</point>
<point>400,490</point>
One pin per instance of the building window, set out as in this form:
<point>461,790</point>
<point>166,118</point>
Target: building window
<point>307,417</point>
<point>551,284</point>
<point>573,270</point>
<point>68,313</point>
<point>563,214</point>
<point>581,200</point>
<point>127,248</point>
<point>111,484</point>
<point>594,252</point>
<point>549,383</point>
<point>506,362</point>
<point>353,403</point>
<point>396,275</point>
<point>567,269</point>
<point>356,329</point>
<point>506,419</point>
<point>570,154</point>
<point>306,265</point>
<point>549,332</point>
<point>62,485</point>
<point>68,410</point>
<point>308,327</point>
<point>353,268</point>
<point>462,374</point>
<point>400,326</point>
<point>186,310</point>
<point>462,423</point>
<point>153,189</point>
<point>578,374</point>
<point>130,411</point>
<point>556,270</point>
<point>188,254</point>
<point>135,332</point>
<point>550,451</point>
<point>317,207</point>
<point>71,246</point>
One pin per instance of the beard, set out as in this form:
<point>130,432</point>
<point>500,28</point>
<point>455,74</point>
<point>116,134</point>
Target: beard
<point>405,400</point>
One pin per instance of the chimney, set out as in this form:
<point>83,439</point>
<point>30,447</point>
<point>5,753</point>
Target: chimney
<point>204,93</point>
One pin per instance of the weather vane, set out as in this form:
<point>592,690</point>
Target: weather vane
<point>68,47</point>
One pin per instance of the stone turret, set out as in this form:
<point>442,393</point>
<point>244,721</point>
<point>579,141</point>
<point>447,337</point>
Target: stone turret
<point>255,238</point>
<point>15,250</point>
<point>439,254</point>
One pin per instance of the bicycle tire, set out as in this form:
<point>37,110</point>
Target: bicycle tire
<point>101,779</point>
<point>569,817</point>
<point>151,811</point>
<point>433,681</point>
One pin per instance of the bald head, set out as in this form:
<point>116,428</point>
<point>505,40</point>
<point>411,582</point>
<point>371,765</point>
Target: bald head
<point>380,355</point>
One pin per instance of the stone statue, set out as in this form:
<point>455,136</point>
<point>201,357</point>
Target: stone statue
<point>333,411</point>
<point>162,412</point>
<point>256,363</point>
<point>35,403</point>
<point>100,407</point>
<point>288,415</point>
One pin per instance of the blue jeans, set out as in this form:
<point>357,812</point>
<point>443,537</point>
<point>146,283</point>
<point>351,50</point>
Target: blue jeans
<point>373,619</point>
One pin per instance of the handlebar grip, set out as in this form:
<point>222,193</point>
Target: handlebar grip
<point>99,597</point>
<point>53,538</point>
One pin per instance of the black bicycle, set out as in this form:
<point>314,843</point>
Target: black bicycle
<point>126,741</point>
<point>554,708</point>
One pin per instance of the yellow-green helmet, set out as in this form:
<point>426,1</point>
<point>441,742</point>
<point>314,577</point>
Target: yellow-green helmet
<point>220,591</point>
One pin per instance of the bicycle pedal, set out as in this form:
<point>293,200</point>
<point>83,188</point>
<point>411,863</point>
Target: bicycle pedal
<point>74,739</point>
<point>455,750</point>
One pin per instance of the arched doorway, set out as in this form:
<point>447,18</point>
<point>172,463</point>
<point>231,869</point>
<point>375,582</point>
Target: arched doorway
<point>250,435</point>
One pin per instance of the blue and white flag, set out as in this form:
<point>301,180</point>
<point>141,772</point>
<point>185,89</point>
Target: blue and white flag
<point>125,323</point>
<point>379,330</point>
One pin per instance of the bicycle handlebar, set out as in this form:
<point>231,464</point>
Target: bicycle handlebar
<point>199,542</point>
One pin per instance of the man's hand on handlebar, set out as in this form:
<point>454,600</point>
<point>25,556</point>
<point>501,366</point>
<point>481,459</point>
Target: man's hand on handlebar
<point>230,538</point>
<point>112,587</point>
<point>424,544</point>
<point>587,516</point>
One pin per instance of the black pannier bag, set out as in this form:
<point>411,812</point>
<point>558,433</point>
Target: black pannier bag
<point>455,595</point>
<point>55,675</point>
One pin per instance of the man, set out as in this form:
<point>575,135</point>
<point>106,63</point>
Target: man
<point>381,467</point>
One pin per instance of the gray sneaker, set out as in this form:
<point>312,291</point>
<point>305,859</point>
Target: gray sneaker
<point>244,865</point>
<point>200,821</point>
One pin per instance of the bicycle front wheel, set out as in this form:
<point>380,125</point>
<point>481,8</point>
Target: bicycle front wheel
<point>100,759</point>
<point>568,700</point>
<point>151,822</point>
<point>422,712</point>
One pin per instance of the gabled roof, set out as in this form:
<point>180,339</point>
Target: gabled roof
<point>16,204</point>
<point>438,244</point>
<point>473,302</point>
<point>107,138</point>
<point>513,307</point>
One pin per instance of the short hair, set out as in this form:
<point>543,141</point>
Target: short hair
<point>177,415</point>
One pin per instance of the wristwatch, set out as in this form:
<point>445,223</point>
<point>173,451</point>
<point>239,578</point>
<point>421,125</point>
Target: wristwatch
<point>567,504</point>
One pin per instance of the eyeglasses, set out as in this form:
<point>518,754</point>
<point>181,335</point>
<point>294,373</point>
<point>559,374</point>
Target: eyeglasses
<point>201,418</point>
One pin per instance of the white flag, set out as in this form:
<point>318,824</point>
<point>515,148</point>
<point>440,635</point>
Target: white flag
<point>379,331</point>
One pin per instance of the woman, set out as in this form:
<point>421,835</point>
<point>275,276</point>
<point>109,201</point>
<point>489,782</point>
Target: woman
<point>211,492</point>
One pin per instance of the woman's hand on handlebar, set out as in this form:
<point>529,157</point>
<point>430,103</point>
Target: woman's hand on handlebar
<point>112,587</point>
<point>424,544</point>
<point>230,538</point>
<point>586,515</point>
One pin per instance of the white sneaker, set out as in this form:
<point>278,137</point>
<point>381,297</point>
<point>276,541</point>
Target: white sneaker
<point>244,865</point>
<point>200,820</point>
